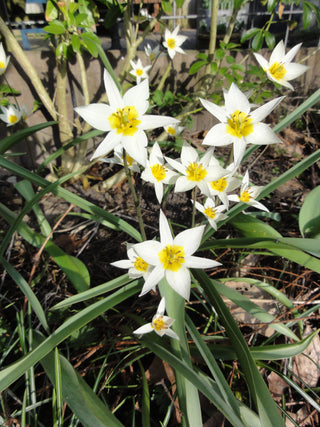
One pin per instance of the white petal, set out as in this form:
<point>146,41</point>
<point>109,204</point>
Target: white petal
<point>110,141</point>
<point>294,71</point>
<point>155,277</point>
<point>258,205</point>
<point>263,111</point>
<point>198,262</point>
<point>145,329</point>
<point>215,110</point>
<point>188,154</point>
<point>184,184</point>
<point>239,149</point>
<point>158,186</point>
<point>162,306</point>
<point>262,135</point>
<point>175,164</point>
<point>153,122</point>
<point>136,147</point>
<point>165,231</point>
<point>180,40</point>
<point>236,100</point>
<point>124,263</point>
<point>278,53</point>
<point>114,96</point>
<point>262,61</point>
<point>156,154</point>
<point>96,115</point>
<point>217,136</point>
<point>138,96</point>
<point>190,239</point>
<point>292,53</point>
<point>148,251</point>
<point>180,281</point>
<point>171,334</point>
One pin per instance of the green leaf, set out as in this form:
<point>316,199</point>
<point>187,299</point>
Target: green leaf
<point>90,44</point>
<point>307,15</point>
<point>195,67</point>
<point>253,227</point>
<point>52,11</point>
<point>73,7</point>
<point>75,322</point>
<point>80,398</point>
<point>27,291</point>
<point>249,34</point>
<point>309,215</point>
<point>179,3</point>
<point>257,41</point>
<point>230,59</point>
<point>75,42</point>
<point>220,54</point>
<point>55,27</point>
<point>270,39</point>
<point>267,409</point>
<point>167,7</point>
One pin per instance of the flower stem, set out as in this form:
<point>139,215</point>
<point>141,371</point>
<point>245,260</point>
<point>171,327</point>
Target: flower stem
<point>136,199</point>
<point>194,192</point>
<point>164,77</point>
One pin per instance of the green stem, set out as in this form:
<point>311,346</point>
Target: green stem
<point>134,195</point>
<point>164,77</point>
<point>194,194</point>
<point>213,33</point>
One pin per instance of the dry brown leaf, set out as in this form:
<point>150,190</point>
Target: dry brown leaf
<point>276,385</point>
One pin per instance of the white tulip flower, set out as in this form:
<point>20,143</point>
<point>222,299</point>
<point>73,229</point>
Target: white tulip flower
<point>4,60</point>
<point>195,171</point>
<point>152,53</point>
<point>135,265</point>
<point>248,194</point>
<point>118,159</point>
<point>172,257</point>
<point>157,172</point>
<point>239,126</point>
<point>10,115</point>
<point>124,119</point>
<point>173,41</point>
<point>174,130</point>
<point>212,212</point>
<point>279,68</point>
<point>160,324</point>
<point>139,71</point>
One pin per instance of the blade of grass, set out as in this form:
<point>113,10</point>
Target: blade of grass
<point>145,410</point>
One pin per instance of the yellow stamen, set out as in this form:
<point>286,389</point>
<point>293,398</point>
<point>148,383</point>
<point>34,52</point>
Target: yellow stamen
<point>158,323</point>
<point>139,72</point>
<point>171,43</point>
<point>245,196</point>
<point>239,124</point>
<point>172,257</point>
<point>277,71</point>
<point>2,65</point>
<point>210,212</point>
<point>12,118</point>
<point>125,120</point>
<point>171,131</point>
<point>159,171</point>
<point>195,172</point>
<point>152,56</point>
<point>219,185</point>
<point>140,265</point>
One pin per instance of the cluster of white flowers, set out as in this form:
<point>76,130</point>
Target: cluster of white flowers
<point>125,121</point>
<point>11,114</point>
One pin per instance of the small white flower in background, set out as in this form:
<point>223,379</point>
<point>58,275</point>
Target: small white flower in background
<point>174,130</point>
<point>157,172</point>
<point>248,194</point>
<point>160,323</point>
<point>173,41</point>
<point>10,115</point>
<point>118,159</point>
<point>135,265</point>
<point>144,12</point>
<point>279,68</point>
<point>152,53</point>
<point>195,171</point>
<point>172,257</point>
<point>238,125</point>
<point>4,60</point>
<point>25,112</point>
<point>139,71</point>
<point>124,119</point>
<point>212,212</point>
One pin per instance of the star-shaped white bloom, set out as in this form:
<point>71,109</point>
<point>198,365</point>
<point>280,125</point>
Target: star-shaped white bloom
<point>160,323</point>
<point>157,172</point>
<point>135,265</point>
<point>4,60</point>
<point>174,130</point>
<point>172,257</point>
<point>152,53</point>
<point>173,41</point>
<point>118,159</point>
<point>212,212</point>
<point>248,194</point>
<point>124,119</point>
<point>10,115</point>
<point>279,68</point>
<point>238,125</point>
<point>139,71</point>
<point>195,171</point>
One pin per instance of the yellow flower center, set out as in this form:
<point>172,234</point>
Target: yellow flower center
<point>171,43</point>
<point>139,72</point>
<point>172,257</point>
<point>171,130</point>
<point>239,124</point>
<point>125,120</point>
<point>140,265</point>
<point>277,71</point>
<point>195,172</point>
<point>245,196</point>
<point>210,212</point>
<point>152,56</point>
<point>159,171</point>
<point>13,118</point>
<point>219,185</point>
<point>129,160</point>
<point>2,65</point>
<point>158,323</point>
